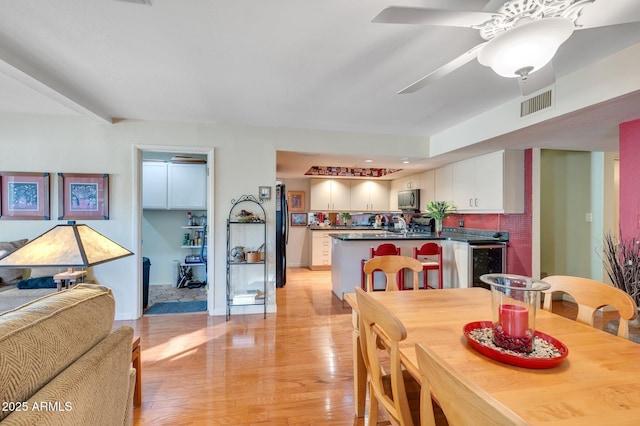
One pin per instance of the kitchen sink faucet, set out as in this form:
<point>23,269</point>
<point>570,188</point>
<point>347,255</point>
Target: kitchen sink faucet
<point>402,222</point>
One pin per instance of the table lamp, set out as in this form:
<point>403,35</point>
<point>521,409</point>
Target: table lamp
<point>69,246</point>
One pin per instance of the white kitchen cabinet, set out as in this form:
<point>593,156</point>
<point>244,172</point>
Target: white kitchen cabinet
<point>455,267</point>
<point>320,246</point>
<point>154,185</point>
<point>410,182</point>
<point>427,187</point>
<point>174,186</point>
<point>320,250</point>
<point>330,194</point>
<point>491,183</point>
<point>443,182</point>
<point>394,187</point>
<point>369,195</point>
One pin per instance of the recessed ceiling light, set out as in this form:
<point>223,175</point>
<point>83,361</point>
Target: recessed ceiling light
<point>405,161</point>
<point>368,160</point>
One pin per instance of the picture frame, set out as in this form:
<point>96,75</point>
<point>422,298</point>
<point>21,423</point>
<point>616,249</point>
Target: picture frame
<point>83,196</point>
<point>296,201</point>
<point>264,192</point>
<point>24,196</point>
<point>298,219</point>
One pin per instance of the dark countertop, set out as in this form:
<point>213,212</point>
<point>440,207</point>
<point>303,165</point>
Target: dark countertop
<point>450,234</point>
<point>345,228</point>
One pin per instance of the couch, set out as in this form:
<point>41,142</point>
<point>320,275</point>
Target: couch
<point>61,363</point>
<point>13,295</point>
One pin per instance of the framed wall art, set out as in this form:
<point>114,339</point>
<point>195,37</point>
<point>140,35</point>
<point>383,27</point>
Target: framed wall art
<point>24,196</point>
<point>296,201</point>
<point>83,196</point>
<point>298,219</point>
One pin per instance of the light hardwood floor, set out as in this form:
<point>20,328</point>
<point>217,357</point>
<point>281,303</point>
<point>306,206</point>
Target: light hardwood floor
<point>294,368</point>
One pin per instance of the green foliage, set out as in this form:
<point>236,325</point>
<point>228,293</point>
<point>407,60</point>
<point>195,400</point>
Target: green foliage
<point>439,209</point>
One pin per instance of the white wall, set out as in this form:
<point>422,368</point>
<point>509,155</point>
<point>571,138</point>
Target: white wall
<point>245,158</point>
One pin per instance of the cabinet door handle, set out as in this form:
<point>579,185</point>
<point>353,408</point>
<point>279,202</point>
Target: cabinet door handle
<point>476,202</point>
<point>470,202</point>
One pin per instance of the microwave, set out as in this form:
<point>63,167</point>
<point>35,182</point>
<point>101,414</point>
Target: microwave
<point>409,200</point>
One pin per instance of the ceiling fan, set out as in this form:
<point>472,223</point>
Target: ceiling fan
<point>521,36</point>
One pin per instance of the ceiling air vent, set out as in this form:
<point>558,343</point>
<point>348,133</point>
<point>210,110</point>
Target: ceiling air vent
<point>536,103</point>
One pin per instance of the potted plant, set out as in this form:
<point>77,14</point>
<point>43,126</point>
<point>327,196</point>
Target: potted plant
<point>439,210</point>
<point>346,218</point>
<point>622,262</point>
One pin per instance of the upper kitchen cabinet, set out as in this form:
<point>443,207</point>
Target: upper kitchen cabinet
<point>427,187</point>
<point>174,186</point>
<point>443,184</point>
<point>369,195</point>
<point>492,183</point>
<point>394,187</point>
<point>154,185</point>
<point>330,194</point>
<point>410,182</point>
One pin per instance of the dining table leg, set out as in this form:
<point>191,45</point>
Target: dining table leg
<point>359,369</point>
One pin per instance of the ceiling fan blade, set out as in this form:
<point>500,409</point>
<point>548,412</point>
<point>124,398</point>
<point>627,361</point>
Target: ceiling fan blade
<point>416,15</point>
<point>604,13</point>
<point>453,65</point>
<point>538,80</point>
<point>493,5</point>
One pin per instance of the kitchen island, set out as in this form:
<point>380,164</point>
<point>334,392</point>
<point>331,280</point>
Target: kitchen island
<point>348,250</point>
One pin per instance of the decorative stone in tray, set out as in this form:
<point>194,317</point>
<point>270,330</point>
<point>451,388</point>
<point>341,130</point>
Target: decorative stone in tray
<point>548,352</point>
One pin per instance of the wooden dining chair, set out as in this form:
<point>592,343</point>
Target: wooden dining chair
<point>591,295</point>
<point>392,388</point>
<point>462,402</point>
<point>430,255</point>
<point>384,249</point>
<point>392,267</point>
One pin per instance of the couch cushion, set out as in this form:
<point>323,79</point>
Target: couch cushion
<point>43,337</point>
<point>10,275</point>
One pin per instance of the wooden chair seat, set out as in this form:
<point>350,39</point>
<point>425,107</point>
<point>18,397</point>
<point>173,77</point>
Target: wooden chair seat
<point>591,295</point>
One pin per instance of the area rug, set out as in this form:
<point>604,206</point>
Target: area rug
<point>176,307</point>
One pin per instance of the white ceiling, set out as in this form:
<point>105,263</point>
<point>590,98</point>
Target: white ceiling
<point>278,63</point>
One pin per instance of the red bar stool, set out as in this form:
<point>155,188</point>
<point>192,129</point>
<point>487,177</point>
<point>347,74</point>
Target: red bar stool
<point>430,255</point>
<point>386,249</point>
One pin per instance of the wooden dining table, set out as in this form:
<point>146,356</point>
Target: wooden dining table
<point>598,383</point>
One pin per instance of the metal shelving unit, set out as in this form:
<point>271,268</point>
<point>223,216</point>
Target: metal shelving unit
<point>246,276</point>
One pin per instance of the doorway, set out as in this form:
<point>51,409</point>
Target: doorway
<point>173,239</point>
<point>578,203</point>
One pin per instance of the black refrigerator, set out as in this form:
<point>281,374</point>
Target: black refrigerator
<point>282,235</point>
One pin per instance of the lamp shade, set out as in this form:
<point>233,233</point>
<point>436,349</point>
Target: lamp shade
<point>70,246</point>
<point>525,48</point>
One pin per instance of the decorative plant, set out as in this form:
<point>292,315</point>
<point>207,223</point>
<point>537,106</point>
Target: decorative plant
<point>439,209</point>
<point>345,216</point>
<point>622,263</point>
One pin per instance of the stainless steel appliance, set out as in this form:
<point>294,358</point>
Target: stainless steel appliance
<point>282,235</point>
<point>409,200</point>
<point>486,259</point>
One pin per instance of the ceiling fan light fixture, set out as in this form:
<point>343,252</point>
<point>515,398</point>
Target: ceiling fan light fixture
<point>526,48</point>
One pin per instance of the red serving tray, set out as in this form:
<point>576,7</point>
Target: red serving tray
<point>517,360</point>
